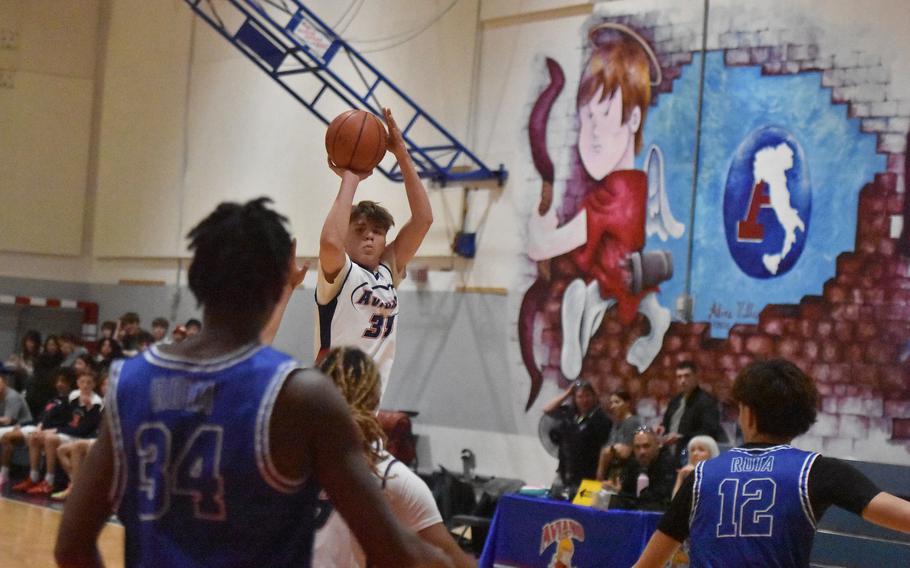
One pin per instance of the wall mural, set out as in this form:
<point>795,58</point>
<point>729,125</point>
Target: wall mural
<point>793,227</point>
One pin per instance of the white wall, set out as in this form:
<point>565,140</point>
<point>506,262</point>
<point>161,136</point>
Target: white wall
<point>45,115</point>
<point>184,122</point>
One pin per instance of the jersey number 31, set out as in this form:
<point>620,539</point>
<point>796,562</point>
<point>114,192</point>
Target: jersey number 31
<point>380,325</point>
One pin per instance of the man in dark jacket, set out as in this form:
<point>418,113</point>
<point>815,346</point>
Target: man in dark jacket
<point>651,491</point>
<point>692,412</point>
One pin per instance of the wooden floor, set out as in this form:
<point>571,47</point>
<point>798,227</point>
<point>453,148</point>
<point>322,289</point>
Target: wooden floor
<point>28,533</point>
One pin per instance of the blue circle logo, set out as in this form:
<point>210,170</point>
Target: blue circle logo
<point>767,203</point>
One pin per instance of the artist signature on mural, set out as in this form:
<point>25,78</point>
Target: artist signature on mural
<point>724,316</point>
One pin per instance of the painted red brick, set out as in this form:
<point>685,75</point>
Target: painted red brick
<point>886,180</point>
<point>831,353</point>
<point>760,345</point>
<point>865,374</point>
<point>821,372</point>
<point>900,429</point>
<point>854,353</point>
<point>843,330</point>
<point>840,374</point>
<point>789,347</point>
<point>813,308</point>
<point>811,350</point>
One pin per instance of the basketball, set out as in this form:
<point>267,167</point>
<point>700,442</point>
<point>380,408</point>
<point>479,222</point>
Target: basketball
<point>356,140</point>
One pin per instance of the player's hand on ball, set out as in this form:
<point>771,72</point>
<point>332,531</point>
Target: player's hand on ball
<point>340,172</point>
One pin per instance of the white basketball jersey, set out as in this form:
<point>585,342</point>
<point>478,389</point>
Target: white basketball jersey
<point>361,313</point>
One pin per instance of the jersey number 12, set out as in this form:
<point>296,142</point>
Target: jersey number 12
<point>745,510</point>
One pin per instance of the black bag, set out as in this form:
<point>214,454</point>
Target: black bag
<point>453,496</point>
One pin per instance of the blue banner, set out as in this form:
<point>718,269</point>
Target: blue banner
<point>540,533</point>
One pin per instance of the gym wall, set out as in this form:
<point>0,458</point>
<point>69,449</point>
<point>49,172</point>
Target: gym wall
<point>179,121</point>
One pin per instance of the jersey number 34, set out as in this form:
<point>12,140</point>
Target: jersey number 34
<point>194,474</point>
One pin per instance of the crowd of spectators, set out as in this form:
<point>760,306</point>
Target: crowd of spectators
<point>642,464</point>
<point>51,402</point>
<point>51,397</point>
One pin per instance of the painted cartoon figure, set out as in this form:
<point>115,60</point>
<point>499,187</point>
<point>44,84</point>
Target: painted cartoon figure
<point>605,237</point>
<point>562,558</point>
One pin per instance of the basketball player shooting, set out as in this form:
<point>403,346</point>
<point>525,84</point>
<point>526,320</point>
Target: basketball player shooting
<point>356,302</point>
<point>213,450</point>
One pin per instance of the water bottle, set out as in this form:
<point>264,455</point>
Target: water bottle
<point>642,483</point>
<point>602,499</point>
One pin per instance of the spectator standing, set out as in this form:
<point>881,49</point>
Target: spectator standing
<point>692,412</point>
<point>582,431</point>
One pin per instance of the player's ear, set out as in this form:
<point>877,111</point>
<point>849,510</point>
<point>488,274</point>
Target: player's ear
<point>747,418</point>
<point>634,121</point>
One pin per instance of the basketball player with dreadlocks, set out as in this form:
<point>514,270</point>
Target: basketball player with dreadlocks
<point>213,449</point>
<point>357,377</point>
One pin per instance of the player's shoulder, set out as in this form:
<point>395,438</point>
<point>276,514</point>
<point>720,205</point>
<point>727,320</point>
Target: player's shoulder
<point>305,389</point>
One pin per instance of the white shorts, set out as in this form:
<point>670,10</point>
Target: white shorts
<point>26,430</point>
<point>66,438</point>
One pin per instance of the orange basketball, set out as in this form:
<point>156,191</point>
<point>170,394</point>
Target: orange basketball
<point>356,140</point>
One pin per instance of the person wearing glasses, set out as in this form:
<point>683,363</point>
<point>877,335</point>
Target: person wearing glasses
<point>583,430</point>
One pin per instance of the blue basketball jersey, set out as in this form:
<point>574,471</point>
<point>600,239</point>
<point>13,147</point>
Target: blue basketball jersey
<point>194,481</point>
<point>750,507</point>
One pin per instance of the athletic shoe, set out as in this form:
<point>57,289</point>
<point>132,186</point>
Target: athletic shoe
<point>62,495</point>
<point>41,488</point>
<point>25,485</point>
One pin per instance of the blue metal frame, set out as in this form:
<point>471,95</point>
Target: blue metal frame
<point>267,37</point>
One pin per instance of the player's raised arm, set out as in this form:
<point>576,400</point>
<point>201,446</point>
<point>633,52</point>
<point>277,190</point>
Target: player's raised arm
<point>335,228</point>
<point>408,240</point>
<point>87,507</point>
<point>310,407</point>
<point>296,274</point>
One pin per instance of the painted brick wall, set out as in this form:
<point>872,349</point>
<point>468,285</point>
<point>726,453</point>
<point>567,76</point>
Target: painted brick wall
<point>852,336</point>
